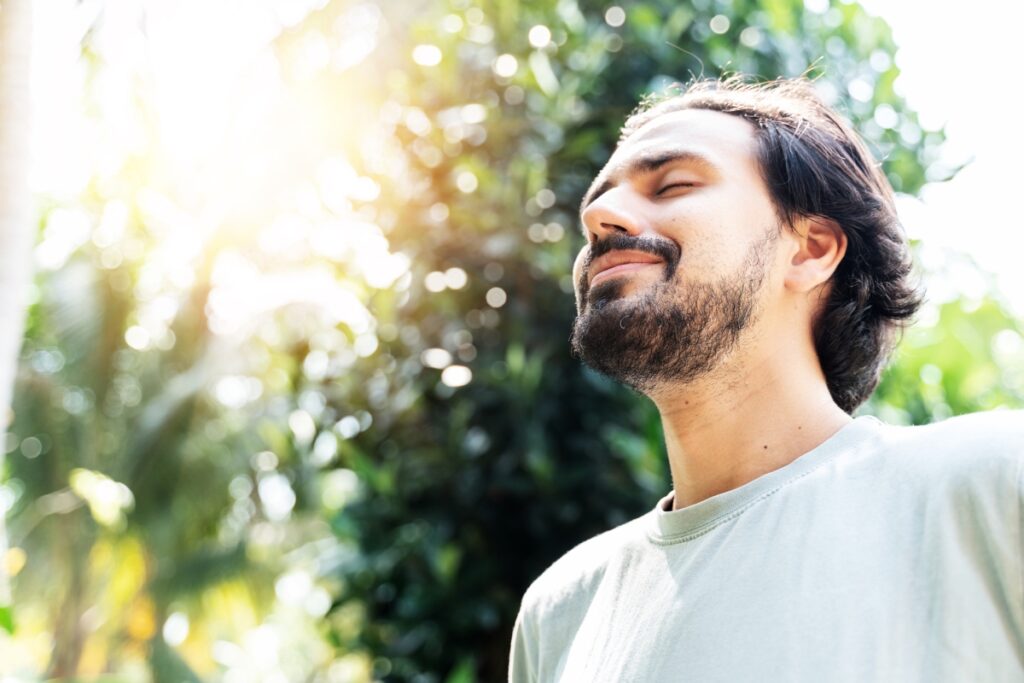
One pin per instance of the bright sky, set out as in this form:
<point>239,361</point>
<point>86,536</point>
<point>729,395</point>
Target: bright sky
<point>959,69</point>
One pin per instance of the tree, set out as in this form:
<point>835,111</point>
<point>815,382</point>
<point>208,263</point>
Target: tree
<point>139,479</point>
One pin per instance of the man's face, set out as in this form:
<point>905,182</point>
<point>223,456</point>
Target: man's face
<point>681,237</point>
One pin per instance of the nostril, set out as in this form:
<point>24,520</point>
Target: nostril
<point>613,226</point>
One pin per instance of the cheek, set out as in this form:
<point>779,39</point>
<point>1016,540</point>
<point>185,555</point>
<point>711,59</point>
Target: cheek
<point>714,233</point>
<point>577,266</point>
<point>577,270</point>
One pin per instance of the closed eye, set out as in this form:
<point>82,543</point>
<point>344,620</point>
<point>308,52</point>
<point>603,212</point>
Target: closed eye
<point>674,186</point>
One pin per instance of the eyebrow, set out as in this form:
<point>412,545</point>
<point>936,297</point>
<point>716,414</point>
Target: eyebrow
<point>649,163</point>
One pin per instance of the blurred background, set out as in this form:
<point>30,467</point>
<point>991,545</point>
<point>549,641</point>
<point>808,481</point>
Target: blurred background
<point>295,401</point>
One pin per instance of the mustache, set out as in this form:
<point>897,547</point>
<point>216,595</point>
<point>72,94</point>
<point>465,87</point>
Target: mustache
<point>665,249</point>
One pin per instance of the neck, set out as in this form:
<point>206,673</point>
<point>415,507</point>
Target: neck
<point>726,431</point>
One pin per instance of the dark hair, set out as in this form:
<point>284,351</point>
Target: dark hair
<point>814,164</point>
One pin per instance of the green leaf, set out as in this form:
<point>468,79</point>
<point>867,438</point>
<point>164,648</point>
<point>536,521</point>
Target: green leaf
<point>7,618</point>
<point>463,673</point>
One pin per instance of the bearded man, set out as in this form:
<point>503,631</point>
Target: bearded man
<point>745,269</point>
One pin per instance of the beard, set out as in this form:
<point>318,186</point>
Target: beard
<point>672,332</point>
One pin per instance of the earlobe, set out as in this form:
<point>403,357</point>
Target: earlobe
<point>821,246</point>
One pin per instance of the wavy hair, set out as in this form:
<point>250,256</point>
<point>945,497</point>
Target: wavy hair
<point>814,164</point>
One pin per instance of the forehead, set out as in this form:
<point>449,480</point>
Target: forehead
<point>725,141</point>
<point>717,133</point>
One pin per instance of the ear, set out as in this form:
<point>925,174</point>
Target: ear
<point>821,245</point>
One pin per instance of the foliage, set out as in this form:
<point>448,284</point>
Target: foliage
<point>968,357</point>
<point>357,382</point>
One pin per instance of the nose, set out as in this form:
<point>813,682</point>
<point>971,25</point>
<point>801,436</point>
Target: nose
<point>612,213</point>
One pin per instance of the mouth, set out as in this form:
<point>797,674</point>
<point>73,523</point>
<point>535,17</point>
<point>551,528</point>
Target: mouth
<point>618,270</point>
<point>618,263</point>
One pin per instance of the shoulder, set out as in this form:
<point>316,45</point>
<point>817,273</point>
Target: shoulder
<point>556,602</point>
<point>573,578</point>
<point>997,434</point>
<point>977,451</point>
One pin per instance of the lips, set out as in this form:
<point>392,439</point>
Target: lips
<point>619,262</point>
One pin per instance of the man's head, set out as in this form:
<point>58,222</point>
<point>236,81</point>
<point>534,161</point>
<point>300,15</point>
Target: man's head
<point>741,199</point>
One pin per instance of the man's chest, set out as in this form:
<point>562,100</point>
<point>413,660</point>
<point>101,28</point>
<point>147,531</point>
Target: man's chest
<point>877,599</point>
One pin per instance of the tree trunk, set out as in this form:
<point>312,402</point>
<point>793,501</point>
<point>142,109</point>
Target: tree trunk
<point>16,227</point>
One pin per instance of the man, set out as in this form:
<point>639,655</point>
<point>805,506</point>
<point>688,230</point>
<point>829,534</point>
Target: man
<point>745,269</point>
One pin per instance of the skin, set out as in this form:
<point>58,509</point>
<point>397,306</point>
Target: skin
<point>765,402</point>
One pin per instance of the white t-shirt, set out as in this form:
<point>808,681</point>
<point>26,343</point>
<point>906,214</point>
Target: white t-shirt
<point>884,554</point>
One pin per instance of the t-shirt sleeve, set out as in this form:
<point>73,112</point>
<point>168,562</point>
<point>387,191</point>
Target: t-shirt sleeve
<point>523,657</point>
